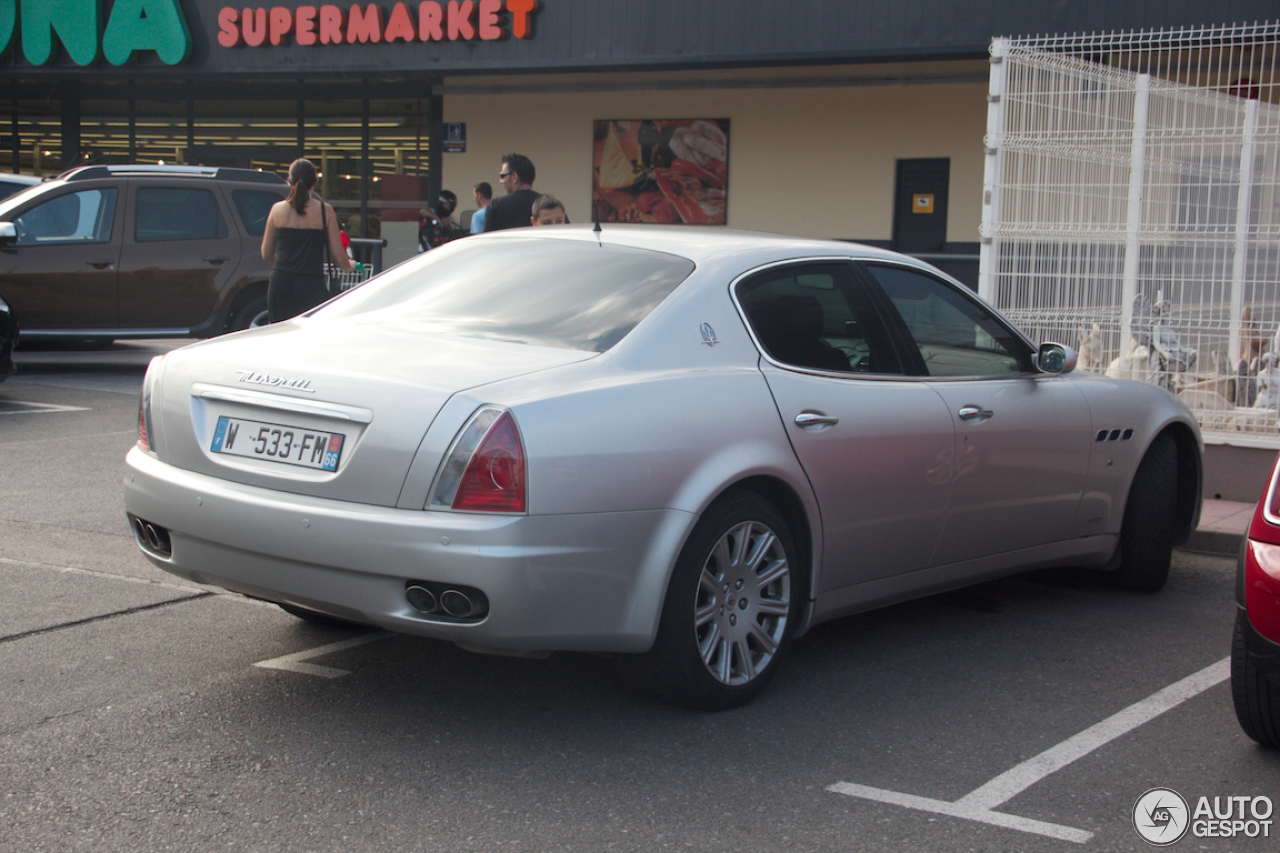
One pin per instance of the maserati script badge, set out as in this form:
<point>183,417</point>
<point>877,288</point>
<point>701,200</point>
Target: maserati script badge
<point>253,377</point>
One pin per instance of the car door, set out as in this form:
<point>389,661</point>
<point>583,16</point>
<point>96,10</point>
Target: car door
<point>1022,438</point>
<point>875,444</point>
<point>179,251</point>
<point>61,273</point>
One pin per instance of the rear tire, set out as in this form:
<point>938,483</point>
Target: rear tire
<point>729,611</point>
<point>1146,534</point>
<point>251,315</point>
<point>1256,697</point>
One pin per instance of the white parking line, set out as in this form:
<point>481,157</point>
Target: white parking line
<point>130,383</point>
<point>23,407</point>
<point>978,805</point>
<point>294,662</point>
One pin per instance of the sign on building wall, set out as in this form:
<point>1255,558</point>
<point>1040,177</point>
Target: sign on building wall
<point>661,170</point>
<point>48,26</point>
<point>371,23</point>
<point>50,32</point>
<point>455,137</point>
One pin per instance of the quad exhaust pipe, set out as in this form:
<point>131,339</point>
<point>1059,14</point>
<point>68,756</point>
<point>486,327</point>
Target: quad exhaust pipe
<point>446,601</point>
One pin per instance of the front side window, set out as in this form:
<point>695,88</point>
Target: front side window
<point>552,293</point>
<point>815,316</point>
<point>77,217</point>
<point>955,334</point>
<point>177,213</point>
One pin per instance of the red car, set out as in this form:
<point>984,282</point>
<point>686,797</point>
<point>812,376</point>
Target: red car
<point>1255,652</point>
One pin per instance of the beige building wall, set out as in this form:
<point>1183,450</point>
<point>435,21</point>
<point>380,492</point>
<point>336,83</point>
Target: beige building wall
<point>812,160</point>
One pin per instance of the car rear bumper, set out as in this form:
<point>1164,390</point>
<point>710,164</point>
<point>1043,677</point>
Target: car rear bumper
<point>1264,654</point>
<point>589,582</point>
<point>1258,597</point>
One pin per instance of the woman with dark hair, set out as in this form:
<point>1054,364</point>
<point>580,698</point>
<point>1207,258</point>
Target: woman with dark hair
<point>300,231</point>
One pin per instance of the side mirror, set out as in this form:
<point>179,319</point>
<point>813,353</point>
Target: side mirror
<point>8,233</point>
<point>1055,359</point>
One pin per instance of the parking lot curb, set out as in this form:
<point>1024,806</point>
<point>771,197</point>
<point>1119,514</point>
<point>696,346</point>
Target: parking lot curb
<point>1207,541</point>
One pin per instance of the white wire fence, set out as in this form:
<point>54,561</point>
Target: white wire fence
<point>1132,209</point>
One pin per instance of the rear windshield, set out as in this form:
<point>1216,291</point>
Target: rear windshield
<point>551,293</point>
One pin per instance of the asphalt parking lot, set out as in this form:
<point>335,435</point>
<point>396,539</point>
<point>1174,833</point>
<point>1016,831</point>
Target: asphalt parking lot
<point>140,712</point>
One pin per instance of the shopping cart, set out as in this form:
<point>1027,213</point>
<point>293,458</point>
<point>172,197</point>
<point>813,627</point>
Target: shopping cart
<point>340,280</point>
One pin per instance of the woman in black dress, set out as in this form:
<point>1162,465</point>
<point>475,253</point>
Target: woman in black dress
<point>294,241</point>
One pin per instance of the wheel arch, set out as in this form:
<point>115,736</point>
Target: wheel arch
<point>256,289</point>
<point>789,504</point>
<point>1190,480</point>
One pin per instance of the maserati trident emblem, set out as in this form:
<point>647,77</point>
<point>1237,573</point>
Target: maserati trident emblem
<point>708,335</point>
<point>253,377</point>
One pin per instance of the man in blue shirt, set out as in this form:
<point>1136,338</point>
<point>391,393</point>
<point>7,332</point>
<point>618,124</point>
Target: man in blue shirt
<point>482,194</point>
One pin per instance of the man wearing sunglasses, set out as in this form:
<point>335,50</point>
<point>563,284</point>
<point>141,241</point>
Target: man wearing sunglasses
<point>512,210</point>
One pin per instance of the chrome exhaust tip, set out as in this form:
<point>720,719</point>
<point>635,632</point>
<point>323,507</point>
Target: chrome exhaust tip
<point>456,603</point>
<point>421,599</point>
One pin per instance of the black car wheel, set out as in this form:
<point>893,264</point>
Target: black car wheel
<point>729,609</point>
<point>1256,697</point>
<point>251,315</point>
<point>1146,534</point>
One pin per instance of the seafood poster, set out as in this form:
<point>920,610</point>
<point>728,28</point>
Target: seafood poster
<point>657,170</point>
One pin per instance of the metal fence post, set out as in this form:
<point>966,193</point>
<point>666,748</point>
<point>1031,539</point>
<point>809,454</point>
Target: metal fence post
<point>989,249</point>
<point>1244,204</point>
<point>1133,219</point>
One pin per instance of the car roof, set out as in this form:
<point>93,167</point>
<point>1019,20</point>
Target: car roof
<point>711,246</point>
<point>216,173</point>
<point>268,180</point>
<point>724,253</point>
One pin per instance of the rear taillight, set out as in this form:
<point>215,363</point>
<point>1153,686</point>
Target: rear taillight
<point>142,426</point>
<point>1272,501</point>
<point>484,471</point>
<point>1262,587</point>
<point>146,431</point>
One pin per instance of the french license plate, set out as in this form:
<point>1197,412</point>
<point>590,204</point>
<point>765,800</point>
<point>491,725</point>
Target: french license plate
<point>278,443</point>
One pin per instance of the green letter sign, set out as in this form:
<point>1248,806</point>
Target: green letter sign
<point>134,25</point>
<point>75,22</point>
<point>146,25</point>
<point>8,17</point>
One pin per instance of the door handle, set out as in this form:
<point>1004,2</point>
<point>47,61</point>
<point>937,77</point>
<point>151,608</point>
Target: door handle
<point>102,265</point>
<point>215,261</point>
<point>805,420</point>
<point>975,413</point>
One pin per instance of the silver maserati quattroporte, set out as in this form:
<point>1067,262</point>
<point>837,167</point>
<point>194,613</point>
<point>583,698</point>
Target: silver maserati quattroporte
<point>680,446</point>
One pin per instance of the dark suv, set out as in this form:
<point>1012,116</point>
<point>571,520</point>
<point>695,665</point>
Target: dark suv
<point>105,252</point>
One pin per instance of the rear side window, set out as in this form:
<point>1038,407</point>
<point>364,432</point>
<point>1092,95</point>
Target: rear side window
<point>253,207</point>
<point>550,293</point>
<point>77,217</point>
<point>177,213</point>
<point>8,188</point>
<point>817,317</point>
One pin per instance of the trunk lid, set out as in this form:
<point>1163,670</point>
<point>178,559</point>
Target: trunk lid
<point>325,408</point>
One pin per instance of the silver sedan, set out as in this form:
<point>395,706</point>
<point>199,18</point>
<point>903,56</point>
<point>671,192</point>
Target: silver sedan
<point>680,446</point>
